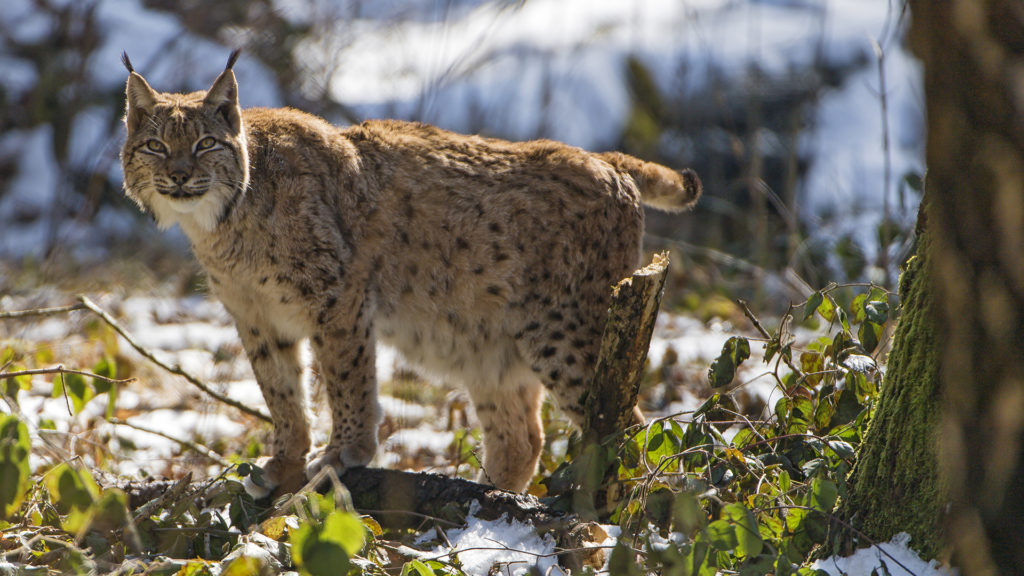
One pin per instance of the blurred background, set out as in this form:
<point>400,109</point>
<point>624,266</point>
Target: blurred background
<point>803,117</point>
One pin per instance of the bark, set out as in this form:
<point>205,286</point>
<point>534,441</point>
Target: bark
<point>396,499</point>
<point>627,337</point>
<point>894,486</point>
<point>973,54</point>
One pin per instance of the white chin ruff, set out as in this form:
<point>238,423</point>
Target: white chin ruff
<point>193,214</point>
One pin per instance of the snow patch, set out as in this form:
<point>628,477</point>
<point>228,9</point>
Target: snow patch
<point>896,555</point>
<point>513,547</point>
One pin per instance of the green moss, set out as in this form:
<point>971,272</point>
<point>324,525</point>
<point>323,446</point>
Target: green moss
<point>894,486</point>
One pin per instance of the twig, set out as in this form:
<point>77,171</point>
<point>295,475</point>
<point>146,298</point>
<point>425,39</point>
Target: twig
<point>757,324</point>
<point>195,447</point>
<point>177,370</point>
<point>41,311</point>
<point>62,371</point>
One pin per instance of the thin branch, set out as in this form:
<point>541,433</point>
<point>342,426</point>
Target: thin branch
<point>195,447</point>
<point>757,324</point>
<point>176,370</point>
<point>62,371</point>
<point>41,311</point>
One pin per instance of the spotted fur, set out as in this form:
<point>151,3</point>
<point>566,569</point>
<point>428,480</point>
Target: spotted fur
<point>483,261</point>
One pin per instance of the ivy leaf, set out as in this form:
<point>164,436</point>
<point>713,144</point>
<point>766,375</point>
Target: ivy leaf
<point>748,538</point>
<point>325,550</point>
<point>813,303</point>
<point>723,369</point>
<point>78,389</point>
<point>722,535</point>
<point>74,492</point>
<point>876,311</point>
<point>823,495</point>
<point>14,471</point>
<point>416,568</point>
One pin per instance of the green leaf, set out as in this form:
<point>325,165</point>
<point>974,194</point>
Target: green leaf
<point>823,495</point>
<point>324,550</point>
<point>876,311</point>
<point>723,369</point>
<point>813,303</point>
<point>826,310</point>
<point>346,530</point>
<point>842,449</point>
<point>14,471</point>
<point>78,390</point>
<point>106,368</point>
<point>687,514</point>
<point>747,535</point>
<point>722,535</point>
<point>416,568</point>
<point>622,561</point>
<point>868,334</point>
<point>784,481</point>
<point>74,493</point>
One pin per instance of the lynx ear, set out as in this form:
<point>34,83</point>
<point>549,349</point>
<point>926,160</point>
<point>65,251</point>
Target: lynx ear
<point>140,101</point>
<point>223,95</point>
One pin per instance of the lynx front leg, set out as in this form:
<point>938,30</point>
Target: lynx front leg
<point>513,435</point>
<point>275,361</point>
<point>346,355</point>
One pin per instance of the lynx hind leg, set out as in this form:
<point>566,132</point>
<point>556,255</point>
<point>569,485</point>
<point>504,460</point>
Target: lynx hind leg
<point>513,436</point>
<point>562,351</point>
<point>348,369</point>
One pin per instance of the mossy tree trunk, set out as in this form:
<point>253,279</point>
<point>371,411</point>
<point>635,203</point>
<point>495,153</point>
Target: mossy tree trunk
<point>894,486</point>
<point>973,54</point>
<point>955,385</point>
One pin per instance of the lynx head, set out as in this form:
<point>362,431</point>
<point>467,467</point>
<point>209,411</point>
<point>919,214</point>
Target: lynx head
<point>185,159</point>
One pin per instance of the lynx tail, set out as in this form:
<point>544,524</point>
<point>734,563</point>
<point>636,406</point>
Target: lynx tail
<point>660,187</point>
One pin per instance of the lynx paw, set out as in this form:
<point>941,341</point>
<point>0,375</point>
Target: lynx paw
<point>340,458</point>
<point>276,475</point>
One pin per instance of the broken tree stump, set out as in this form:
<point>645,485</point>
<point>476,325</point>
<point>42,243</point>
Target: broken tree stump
<point>590,482</point>
<point>627,336</point>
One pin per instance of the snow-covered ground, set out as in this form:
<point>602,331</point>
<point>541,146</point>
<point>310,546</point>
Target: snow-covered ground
<point>197,334</point>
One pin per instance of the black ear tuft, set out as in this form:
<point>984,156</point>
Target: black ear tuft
<point>232,58</point>
<point>127,63</point>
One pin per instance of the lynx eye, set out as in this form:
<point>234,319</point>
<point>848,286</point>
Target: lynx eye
<point>156,146</point>
<point>206,144</point>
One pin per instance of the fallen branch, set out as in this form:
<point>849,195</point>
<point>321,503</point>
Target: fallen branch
<point>62,371</point>
<point>195,447</point>
<point>176,370</point>
<point>41,311</point>
<point>401,500</point>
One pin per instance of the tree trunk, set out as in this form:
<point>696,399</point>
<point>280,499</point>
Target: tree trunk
<point>973,53</point>
<point>894,487</point>
<point>961,337</point>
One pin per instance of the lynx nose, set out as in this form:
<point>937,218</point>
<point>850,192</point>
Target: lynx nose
<point>179,176</point>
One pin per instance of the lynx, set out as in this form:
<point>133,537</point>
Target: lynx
<point>483,261</point>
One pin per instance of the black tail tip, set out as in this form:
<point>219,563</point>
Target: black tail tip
<point>127,63</point>
<point>691,183</point>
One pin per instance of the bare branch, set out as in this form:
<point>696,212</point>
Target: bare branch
<point>62,371</point>
<point>193,446</point>
<point>41,311</point>
<point>760,328</point>
<point>176,370</point>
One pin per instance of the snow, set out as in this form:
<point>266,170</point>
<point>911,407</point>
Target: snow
<point>896,555</point>
<point>513,546</point>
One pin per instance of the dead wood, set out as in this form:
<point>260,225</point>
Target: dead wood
<point>627,337</point>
